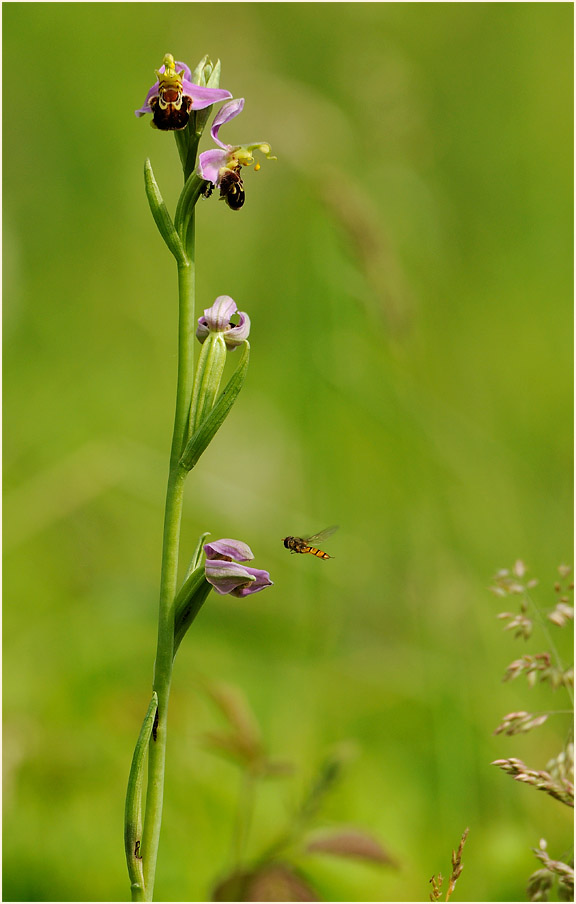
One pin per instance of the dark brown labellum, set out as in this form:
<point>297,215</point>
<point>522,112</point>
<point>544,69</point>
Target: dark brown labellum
<point>171,110</point>
<point>232,189</point>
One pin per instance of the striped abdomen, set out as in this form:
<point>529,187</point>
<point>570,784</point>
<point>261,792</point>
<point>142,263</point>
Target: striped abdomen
<point>315,552</point>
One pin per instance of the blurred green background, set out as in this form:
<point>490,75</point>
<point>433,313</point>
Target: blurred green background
<point>406,263</point>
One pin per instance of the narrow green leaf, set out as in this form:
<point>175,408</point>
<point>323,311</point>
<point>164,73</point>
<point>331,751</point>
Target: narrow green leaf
<point>205,433</point>
<point>197,554</point>
<point>133,808</point>
<point>189,600</point>
<point>161,216</point>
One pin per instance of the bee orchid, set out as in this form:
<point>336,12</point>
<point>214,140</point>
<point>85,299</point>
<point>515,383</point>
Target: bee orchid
<point>173,96</point>
<point>217,319</point>
<point>228,576</point>
<point>222,166</point>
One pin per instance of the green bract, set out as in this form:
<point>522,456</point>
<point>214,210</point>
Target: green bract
<point>208,428</point>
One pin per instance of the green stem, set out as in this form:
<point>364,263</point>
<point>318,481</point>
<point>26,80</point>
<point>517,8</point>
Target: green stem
<point>169,575</point>
<point>186,334</point>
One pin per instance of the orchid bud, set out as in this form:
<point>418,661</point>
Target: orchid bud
<point>228,576</point>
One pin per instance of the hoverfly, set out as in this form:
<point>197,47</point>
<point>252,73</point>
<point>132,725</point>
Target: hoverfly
<point>302,544</point>
<point>171,108</point>
<point>232,188</point>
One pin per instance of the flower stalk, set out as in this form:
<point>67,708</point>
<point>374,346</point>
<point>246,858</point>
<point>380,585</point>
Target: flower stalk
<point>169,574</point>
<point>181,102</point>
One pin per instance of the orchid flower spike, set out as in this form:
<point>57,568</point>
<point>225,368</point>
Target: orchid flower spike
<point>222,166</point>
<point>229,576</point>
<point>173,96</point>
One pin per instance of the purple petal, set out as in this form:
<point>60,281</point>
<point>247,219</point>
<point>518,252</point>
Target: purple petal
<point>236,335</point>
<point>179,66</point>
<point>261,579</point>
<point>217,317</point>
<point>209,164</point>
<point>232,549</point>
<point>225,114</point>
<point>227,577</point>
<point>201,96</point>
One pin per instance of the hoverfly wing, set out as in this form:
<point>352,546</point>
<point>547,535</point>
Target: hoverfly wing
<point>322,535</point>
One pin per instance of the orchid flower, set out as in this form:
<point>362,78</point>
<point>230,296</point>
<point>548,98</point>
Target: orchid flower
<point>228,576</point>
<point>173,96</point>
<point>222,166</point>
<point>216,319</point>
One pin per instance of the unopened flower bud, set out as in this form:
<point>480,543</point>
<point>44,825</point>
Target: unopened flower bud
<point>228,576</point>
